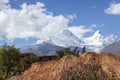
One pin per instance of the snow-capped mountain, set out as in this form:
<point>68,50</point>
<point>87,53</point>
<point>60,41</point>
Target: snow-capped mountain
<point>94,42</point>
<point>110,39</point>
<point>97,42</point>
<point>65,38</point>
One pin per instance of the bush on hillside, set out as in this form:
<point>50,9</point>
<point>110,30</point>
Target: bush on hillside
<point>67,51</point>
<point>12,62</point>
<point>9,58</point>
<point>60,53</point>
<point>26,60</point>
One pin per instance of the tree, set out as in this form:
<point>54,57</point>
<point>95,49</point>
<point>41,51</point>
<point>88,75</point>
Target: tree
<point>76,51</point>
<point>83,50</point>
<point>60,53</point>
<point>9,58</point>
<point>67,51</point>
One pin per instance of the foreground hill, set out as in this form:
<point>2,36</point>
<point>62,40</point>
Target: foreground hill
<point>88,66</point>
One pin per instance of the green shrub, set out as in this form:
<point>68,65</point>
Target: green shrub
<point>12,62</point>
<point>67,51</point>
<point>26,60</point>
<point>9,57</point>
<point>60,53</point>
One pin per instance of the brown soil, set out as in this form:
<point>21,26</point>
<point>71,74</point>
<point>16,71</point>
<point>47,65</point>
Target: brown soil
<point>88,66</point>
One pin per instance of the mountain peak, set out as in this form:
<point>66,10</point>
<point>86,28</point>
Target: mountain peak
<point>66,38</point>
<point>98,34</point>
<point>95,40</point>
<point>110,39</point>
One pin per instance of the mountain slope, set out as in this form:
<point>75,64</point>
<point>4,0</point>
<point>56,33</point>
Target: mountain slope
<point>113,48</point>
<point>41,49</point>
<point>66,38</point>
<point>97,42</point>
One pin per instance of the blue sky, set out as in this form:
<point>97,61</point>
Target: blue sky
<point>87,13</point>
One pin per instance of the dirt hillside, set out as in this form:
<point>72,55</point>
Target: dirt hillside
<point>88,66</point>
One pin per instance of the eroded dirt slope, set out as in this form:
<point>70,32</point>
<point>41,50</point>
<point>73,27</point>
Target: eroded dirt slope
<point>88,66</point>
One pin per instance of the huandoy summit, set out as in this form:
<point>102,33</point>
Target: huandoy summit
<point>97,42</point>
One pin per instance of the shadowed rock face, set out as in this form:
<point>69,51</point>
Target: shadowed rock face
<point>90,65</point>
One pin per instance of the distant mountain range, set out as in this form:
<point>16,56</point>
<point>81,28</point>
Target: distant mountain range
<point>113,48</point>
<point>97,42</point>
<point>41,49</point>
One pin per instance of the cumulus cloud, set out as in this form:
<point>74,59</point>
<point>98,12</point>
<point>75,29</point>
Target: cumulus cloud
<point>71,16</point>
<point>4,4</point>
<point>79,31</point>
<point>3,19</point>
<point>93,26</point>
<point>114,9</point>
<point>30,21</point>
<point>34,20</point>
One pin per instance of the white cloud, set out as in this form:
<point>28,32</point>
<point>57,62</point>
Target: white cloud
<point>93,26</point>
<point>35,21</point>
<point>96,25</point>
<point>4,4</point>
<point>3,19</point>
<point>30,21</point>
<point>71,16</point>
<point>79,31</point>
<point>102,25</point>
<point>114,9</point>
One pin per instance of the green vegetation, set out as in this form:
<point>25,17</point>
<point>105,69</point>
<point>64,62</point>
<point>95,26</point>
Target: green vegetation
<point>9,57</point>
<point>12,62</point>
<point>67,51</point>
<point>26,60</point>
<point>60,53</point>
